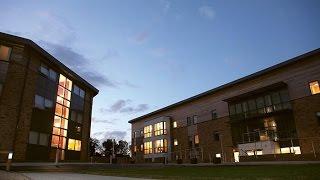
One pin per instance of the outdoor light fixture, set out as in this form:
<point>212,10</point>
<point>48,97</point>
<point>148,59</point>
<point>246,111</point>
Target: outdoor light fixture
<point>218,155</point>
<point>10,155</point>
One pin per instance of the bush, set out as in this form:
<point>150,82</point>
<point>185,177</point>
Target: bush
<point>179,161</point>
<point>194,161</point>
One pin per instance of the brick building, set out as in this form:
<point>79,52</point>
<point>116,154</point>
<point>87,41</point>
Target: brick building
<point>45,108</point>
<point>273,114</point>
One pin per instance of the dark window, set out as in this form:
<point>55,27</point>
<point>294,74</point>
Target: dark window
<point>238,108</point>
<point>76,116</point>
<point>214,114</point>
<point>275,98</point>
<point>78,91</point>
<point>216,136</point>
<point>51,74</point>
<point>188,121</point>
<point>195,119</point>
<point>244,107</point>
<point>260,102</point>
<point>232,109</point>
<point>252,105</point>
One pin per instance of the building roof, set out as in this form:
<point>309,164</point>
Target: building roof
<point>238,81</point>
<point>21,40</point>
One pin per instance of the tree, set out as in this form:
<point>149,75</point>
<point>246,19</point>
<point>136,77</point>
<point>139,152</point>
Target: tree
<point>95,147</point>
<point>108,147</point>
<point>122,148</point>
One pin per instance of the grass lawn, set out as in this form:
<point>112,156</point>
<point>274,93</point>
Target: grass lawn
<point>311,171</point>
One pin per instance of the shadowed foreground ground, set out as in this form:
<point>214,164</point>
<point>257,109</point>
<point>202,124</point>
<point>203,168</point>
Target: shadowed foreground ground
<point>215,172</point>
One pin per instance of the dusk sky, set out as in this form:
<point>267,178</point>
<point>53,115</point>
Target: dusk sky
<point>146,54</point>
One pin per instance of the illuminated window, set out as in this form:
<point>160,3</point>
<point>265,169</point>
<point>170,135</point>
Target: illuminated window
<point>148,147</point>
<point>196,139</point>
<point>141,147</point>
<point>60,129</point>
<point>218,155</point>
<point>160,129</point>
<point>5,53</point>
<point>314,87</point>
<point>175,124</point>
<point>161,146</point>
<point>74,145</point>
<point>147,131</point>
<point>250,153</point>
<point>259,152</point>
<point>134,148</point>
<point>175,142</point>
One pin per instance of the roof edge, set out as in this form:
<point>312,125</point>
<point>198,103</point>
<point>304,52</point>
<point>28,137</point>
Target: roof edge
<point>34,45</point>
<point>237,81</point>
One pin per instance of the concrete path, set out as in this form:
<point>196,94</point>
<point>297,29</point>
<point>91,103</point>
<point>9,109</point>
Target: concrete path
<point>72,176</point>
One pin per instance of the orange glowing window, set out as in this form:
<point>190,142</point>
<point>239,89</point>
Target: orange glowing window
<point>59,100</point>
<point>64,123</point>
<point>62,142</point>
<point>67,94</point>
<point>58,110</point>
<point>69,85</point>
<point>63,132</point>
<point>55,141</point>
<point>5,53</point>
<point>77,145</point>
<point>62,80</point>
<point>314,87</point>
<point>57,121</point>
<point>65,112</point>
<point>56,131</point>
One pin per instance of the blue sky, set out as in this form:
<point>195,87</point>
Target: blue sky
<point>144,55</point>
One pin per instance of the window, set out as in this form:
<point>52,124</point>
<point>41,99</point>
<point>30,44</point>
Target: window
<point>232,110</point>
<point>188,121</point>
<point>148,147</point>
<point>43,139</point>
<point>214,114</point>
<point>74,145</point>
<point>160,128</point>
<point>216,136</point>
<point>218,155</point>
<point>195,119</point>
<point>174,124</point>
<point>175,142</point>
<point>5,53</point>
<point>147,131</point>
<point>161,146</point>
<point>42,103</point>
<point>78,91</point>
<point>196,139</point>
<point>51,74</point>
<point>38,138</point>
<point>76,116</point>
<point>33,137</point>
<point>314,87</point>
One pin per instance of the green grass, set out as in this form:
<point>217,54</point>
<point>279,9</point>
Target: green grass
<point>215,172</point>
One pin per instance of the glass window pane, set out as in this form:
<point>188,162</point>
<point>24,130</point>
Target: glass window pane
<point>62,143</point>
<point>56,131</point>
<point>52,75</point>
<point>43,139</point>
<point>39,101</point>
<point>55,141</point>
<point>252,105</point>
<point>58,110</point>
<point>77,145</point>
<point>79,118</point>
<point>76,89</point>
<point>60,91</point>
<point>244,107</point>
<point>314,87</point>
<point>260,102</point>
<point>267,100</point>
<point>62,80</point>
<point>57,122</point>
<point>238,108</point>
<point>48,103</point>
<point>275,98</point>
<point>71,144</point>
<point>284,94</point>
<point>33,137</point>
<point>69,84</point>
<point>232,109</point>
<point>82,93</point>
<point>44,70</point>
<point>64,123</point>
<point>5,53</point>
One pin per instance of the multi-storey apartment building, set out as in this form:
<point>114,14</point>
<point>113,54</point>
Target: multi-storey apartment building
<point>273,114</point>
<point>45,108</point>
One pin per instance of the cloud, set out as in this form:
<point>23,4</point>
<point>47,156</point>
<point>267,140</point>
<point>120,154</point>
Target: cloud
<point>141,37</point>
<point>78,63</point>
<point>207,11</point>
<point>125,106</point>
<point>118,135</point>
<point>129,84</point>
<point>159,52</point>
<point>104,121</point>
<point>166,6</point>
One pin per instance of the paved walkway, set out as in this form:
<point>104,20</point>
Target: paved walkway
<point>72,176</point>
